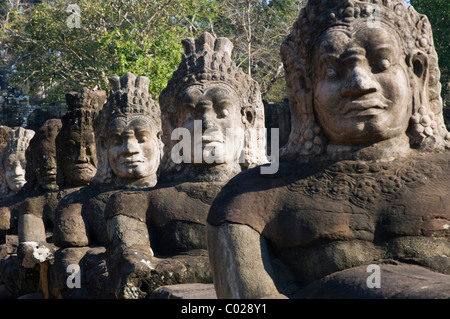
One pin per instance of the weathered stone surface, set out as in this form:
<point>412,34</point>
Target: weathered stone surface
<point>185,291</point>
<point>128,147</point>
<point>230,132</point>
<point>364,176</point>
<point>164,227</point>
<point>31,213</point>
<point>397,281</point>
<point>75,144</point>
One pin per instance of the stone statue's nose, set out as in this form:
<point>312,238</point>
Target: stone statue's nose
<point>18,169</point>
<point>208,120</point>
<point>359,83</point>
<point>82,158</point>
<point>130,146</point>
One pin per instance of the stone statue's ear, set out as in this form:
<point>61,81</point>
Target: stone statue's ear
<point>418,62</point>
<point>248,115</point>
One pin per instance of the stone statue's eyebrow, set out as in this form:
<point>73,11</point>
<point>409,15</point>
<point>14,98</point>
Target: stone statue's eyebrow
<point>382,47</point>
<point>224,100</point>
<point>352,52</point>
<point>142,129</point>
<point>327,57</point>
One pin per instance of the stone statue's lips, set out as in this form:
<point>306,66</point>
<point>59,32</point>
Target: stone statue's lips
<point>18,179</point>
<point>48,175</point>
<point>131,162</point>
<point>365,104</point>
<point>80,167</point>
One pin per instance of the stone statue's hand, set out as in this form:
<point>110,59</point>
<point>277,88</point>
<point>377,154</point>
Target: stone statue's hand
<point>132,270</point>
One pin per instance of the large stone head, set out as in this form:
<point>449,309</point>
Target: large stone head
<point>14,160</point>
<point>128,134</point>
<point>75,143</point>
<point>361,72</point>
<point>41,171</point>
<point>217,103</point>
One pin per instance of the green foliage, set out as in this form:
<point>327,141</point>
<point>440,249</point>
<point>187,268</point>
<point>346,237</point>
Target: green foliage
<point>143,37</point>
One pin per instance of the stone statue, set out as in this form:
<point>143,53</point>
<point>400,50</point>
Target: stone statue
<point>229,135</point>
<point>36,201</point>
<point>128,144</point>
<point>75,144</point>
<point>40,173</point>
<point>364,178</point>
<point>62,159</point>
<point>73,165</point>
<point>14,161</point>
<point>212,128</point>
<point>41,157</point>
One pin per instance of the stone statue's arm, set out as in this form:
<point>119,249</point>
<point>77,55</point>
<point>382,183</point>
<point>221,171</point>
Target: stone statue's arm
<point>128,254</point>
<point>127,233</point>
<point>69,226</point>
<point>31,229</point>
<point>240,263</point>
<point>6,222</point>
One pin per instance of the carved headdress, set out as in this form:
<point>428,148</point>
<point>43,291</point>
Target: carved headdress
<point>427,127</point>
<point>128,99</point>
<point>19,139</point>
<point>207,60</point>
<point>83,108</point>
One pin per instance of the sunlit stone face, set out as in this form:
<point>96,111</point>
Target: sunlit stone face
<point>212,115</point>
<point>133,149</point>
<point>79,157</point>
<point>14,166</point>
<point>361,88</point>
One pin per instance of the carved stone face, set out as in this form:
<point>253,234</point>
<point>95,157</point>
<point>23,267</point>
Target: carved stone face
<point>15,165</point>
<point>361,88</point>
<point>79,157</point>
<point>133,150</point>
<point>43,154</point>
<point>217,109</point>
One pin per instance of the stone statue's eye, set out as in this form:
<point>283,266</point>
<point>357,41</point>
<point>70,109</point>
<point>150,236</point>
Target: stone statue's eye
<point>116,140</point>
<point>224,113</point>
<point>331,73</point>
<point>384,64</point>
<point>142,138</point>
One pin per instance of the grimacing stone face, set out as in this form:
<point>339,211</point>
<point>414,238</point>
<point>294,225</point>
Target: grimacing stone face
<point>361,88</point>
<point>133,151</point>
<point>79,161</point>
<point>218,107</point>
<point>44,158</point>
